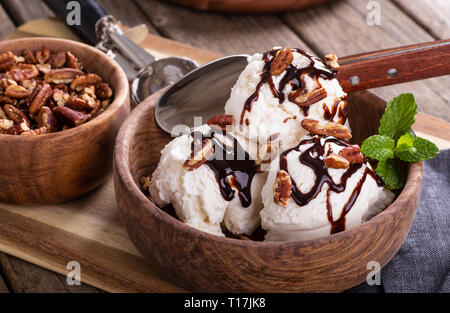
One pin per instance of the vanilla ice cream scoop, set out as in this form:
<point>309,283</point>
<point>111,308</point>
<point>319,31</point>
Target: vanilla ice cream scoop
<point>315,191</point>
<point>211,181</point>
<point>267,100</point>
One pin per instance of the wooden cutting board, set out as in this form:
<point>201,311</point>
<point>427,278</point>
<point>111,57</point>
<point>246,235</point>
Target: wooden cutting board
<point>89,230</point>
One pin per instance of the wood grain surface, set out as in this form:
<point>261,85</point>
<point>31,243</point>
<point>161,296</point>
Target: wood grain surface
<point>250,6</point>
<point>245,33</point>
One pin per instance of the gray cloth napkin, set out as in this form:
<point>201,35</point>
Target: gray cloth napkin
<point>422,265</point>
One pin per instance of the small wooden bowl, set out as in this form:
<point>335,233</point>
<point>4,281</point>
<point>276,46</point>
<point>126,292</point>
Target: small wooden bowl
<point>60,166</point>
<point>249,6</point>
<point>208,263</point>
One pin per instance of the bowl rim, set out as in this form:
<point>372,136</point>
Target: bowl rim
<point>121,155</point>
<point>121,95</point>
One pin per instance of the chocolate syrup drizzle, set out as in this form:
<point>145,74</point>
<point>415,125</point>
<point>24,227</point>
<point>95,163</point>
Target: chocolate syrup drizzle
<point>293,76</point>
<point>232,166</point>
<point>313,158</point>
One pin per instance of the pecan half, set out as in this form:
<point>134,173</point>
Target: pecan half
<point>6,124</point>
<point>58,60</point>
<point>44,68</point>
<point>42,56</point>
<point>40,99</point>
<point>70,116</point>
<point>6,100</point>
<point>78,104</point>
<point>306,99</point>
<point>47,119</point>
<point>200,157</point>
<point>352,154</point>
<point>82,81</point>
<point>221,120</point>
<point>336,161</point>
<point>29,57</point>
<point>35,132</point>
<point>62,75</point>
<point>23,72</point>
<point>15,114</point>
<point>6,60</point>
<point>72,61</point>
<point>329,129</point>
<point>103,91</point>
<point>332,60</point>
<point>282,189</point>
<point>16,91</point>
<point>145,182</point>
<point>282,60</point>
<point>60,97</point>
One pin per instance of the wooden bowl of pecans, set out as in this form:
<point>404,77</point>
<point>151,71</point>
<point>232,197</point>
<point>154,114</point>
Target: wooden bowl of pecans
<point>61,105</point>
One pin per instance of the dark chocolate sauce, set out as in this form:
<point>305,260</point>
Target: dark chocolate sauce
<point>293,76</point>
<point>232,166</point>
<point>313,157</point>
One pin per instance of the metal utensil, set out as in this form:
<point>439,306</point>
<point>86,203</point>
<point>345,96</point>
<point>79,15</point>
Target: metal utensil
<point>147,73</point>
<point>199,95</point>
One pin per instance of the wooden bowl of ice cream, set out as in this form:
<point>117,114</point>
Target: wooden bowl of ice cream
<point>204,262</point>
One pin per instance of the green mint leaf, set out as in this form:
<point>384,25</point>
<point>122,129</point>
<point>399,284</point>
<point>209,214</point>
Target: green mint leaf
<point>392,175</point>
<point>378,147</point>
<point>407,139</point>
<point>398,117</point>
<point>420,150</point>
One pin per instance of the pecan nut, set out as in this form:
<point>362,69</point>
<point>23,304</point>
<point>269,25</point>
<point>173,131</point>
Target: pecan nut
<point>6,124</point>
<point>29,57</point>
<point>103,91</point>
<point>82,81</point>
<point>283,59</point>
<point>58,60</point>
<point>62,75</point>
<point>78,104</point>
<point>332,60</point>
<point>329,129</point>
<point>16,91</point>
<point>282,189</point>
<point>6,60</point>
<point>60,96</point>
<point>42,56</point>
<point>14,114</point>
<point>308,98</point>
<point>47,119</point>
<point>221,120</point>
<point>70,116</point>
<point>22,72</point>
<point>35,132</point>
<point>352,154</point>
<point>40,99</point>
<point>72,61</point>
<point>200,157</point>
<point>335,161</point>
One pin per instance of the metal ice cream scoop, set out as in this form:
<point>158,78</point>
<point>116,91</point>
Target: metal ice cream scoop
<point>146,73</point>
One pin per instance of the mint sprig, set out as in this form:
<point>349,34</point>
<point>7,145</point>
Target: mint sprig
<point>394,140</point>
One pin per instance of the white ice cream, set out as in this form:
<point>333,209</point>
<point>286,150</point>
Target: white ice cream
<point>310,221</point>
<point>268,115</point>
<point>196,196</point>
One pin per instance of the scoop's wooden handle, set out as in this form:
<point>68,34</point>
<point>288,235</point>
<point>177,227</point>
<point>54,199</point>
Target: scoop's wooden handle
<point>393,66</point>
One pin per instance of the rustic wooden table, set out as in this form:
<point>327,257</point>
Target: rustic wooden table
<point>340,27</point>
